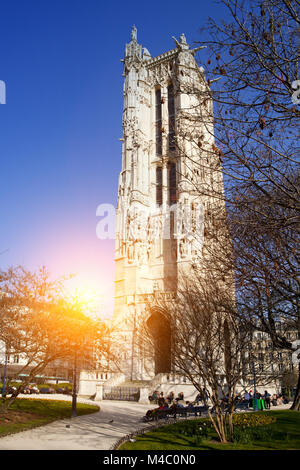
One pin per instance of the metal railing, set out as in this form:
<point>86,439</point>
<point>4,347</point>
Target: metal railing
<point>121,393</point>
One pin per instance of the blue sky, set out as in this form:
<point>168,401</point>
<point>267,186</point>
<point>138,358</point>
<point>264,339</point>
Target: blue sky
<point>59,150</point>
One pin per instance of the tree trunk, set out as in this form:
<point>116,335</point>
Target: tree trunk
<point>74,390</point>
<point>230,424</point>
<point>296,402</point>
<point>218,424</point>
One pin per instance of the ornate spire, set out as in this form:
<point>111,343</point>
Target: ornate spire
<point>133,50</point>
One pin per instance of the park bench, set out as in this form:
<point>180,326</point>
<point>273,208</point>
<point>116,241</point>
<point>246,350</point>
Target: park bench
<point>239,406</point>
<point>242,406</point>
<point>176,412</point>
<point>195,410</point>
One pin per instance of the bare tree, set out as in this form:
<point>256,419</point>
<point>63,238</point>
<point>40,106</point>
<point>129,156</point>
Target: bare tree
<point>246,116</point>
<point>267,271</point>
<point>254,59</point>
<point>39,324</point>
<point>248,107</point>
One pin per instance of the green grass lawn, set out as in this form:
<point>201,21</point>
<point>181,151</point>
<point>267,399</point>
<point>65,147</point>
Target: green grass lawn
<point>28,413</point>
<point>284,435</point>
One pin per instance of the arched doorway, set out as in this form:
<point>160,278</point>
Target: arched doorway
<point>160,330</point>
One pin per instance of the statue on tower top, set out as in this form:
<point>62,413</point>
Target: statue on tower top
<point>133,33</point>
<point>182,44</point>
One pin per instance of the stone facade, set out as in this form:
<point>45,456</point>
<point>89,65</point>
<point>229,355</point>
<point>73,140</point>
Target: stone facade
<point>159,219</point>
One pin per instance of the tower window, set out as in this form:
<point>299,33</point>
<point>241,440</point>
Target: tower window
<point>159,186</point>
<point>158,122</point>
<point>171,112</point>
<point>172,184</point>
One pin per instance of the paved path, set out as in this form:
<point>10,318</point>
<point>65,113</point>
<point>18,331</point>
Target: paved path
<point>97,431</point>
<point>88,432</point>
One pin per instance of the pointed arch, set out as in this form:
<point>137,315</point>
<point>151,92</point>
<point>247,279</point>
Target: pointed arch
<point>160,329</point>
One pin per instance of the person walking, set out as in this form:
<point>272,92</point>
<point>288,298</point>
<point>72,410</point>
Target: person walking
<point>267,398</point>
<point>247,398</point>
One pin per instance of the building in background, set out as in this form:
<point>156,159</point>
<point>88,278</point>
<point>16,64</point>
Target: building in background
<point>12,365</point>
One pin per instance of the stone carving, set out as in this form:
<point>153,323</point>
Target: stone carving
<point>160,74</point>
<point>130,232</point>
<point>183,248</point>
<point>130,251</point>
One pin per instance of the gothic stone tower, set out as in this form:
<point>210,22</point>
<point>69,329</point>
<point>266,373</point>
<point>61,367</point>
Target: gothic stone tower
<point>159,145</point>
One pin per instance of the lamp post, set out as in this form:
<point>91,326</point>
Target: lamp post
<point>74,390</point>
<point>254,386</point>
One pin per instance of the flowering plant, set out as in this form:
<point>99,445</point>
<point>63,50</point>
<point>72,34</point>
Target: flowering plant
<point>251,420</point>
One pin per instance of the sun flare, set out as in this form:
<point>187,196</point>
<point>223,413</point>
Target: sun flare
<point>86,292</point>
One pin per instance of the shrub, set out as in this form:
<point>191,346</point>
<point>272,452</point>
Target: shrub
<point>251,427</point>
<point>55,386</point>
<point>242,435</point>
<point>62,385</point>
